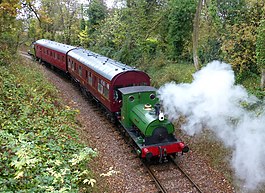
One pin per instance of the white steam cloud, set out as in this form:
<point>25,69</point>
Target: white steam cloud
<point>213,101</point>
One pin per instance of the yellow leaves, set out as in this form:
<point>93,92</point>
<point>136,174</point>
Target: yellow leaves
<point>19,174</point>
<point>90,182</point>
<point>44,15</point>
<point>59,176</point>
<point>82,155</point>
<point>239,46</point>
<point>58,162</point>
<point>110,172</point>
<point>24,158</point>
<point>9,7</point>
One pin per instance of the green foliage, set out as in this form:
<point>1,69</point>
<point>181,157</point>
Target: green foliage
<point>40,150</point>
<point>238,48</point>
<point>180,21</point>
<point>179,73</point>
<point>228,11</point>
<point>145,28</point>
<point>96,12</point>
<point>56,20</point>
<point>236,23</point>
<point>144,33</point>
<point>111,35</point>
<point>84,37</point>
<point>123,32</point>
<point>8,30</point>
<point>251,82</point>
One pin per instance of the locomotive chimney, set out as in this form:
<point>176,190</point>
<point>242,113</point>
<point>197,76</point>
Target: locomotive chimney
<point>157,109</point>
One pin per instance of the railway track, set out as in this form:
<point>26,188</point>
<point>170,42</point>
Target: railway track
<point>171,165</point>
<point>166,182</point>
<point>154,171</point>
<point>25,54</point>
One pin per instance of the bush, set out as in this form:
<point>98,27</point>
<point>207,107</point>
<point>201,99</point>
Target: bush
<point>40,150</point>
<point>179,73</point>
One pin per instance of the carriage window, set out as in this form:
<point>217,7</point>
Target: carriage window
<point>106,90</point>
<point>100,86</point>
<point>90,78</point>
<point>80,70</point>
<point>69,63</point>
<point>72,65</point>
<point>75,65</point>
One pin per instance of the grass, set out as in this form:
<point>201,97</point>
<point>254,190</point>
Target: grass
<point>252,83</point>
<point>163,72</point>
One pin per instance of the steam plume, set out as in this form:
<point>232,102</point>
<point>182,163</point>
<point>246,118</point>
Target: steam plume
<point>213,100</point>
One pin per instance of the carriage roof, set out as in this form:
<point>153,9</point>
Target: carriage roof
<point>104,66</point>
<point>63,48</point>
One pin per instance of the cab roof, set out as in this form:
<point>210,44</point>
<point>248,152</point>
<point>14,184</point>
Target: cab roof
<point>136,89</point>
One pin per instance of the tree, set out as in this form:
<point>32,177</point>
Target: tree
<point>96,12</point>
<point>236,23</point>
<point>196,34</point>
<point>8,29</point>
<point>57,20</point>
<point>260,51</point>
<point>40,13</point>
<point>180,23</point>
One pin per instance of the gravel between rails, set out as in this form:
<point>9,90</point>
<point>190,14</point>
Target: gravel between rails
<point>113,153</point>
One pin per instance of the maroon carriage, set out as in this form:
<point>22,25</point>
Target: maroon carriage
<point>97,75</point>
<point>53,53</point>
<point>102,76</point>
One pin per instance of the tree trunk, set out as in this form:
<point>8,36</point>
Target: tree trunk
<point>262,85</point>
<point>196,35</point>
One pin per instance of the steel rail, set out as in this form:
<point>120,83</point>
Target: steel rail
<point>186,175</point>
<point>152,175</point>
<point>25,54</point>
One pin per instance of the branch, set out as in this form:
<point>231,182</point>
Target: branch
<point>32,8</point>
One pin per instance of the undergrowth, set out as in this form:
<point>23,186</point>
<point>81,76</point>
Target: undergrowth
<point>40,149</point>
<point>163,71</point>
